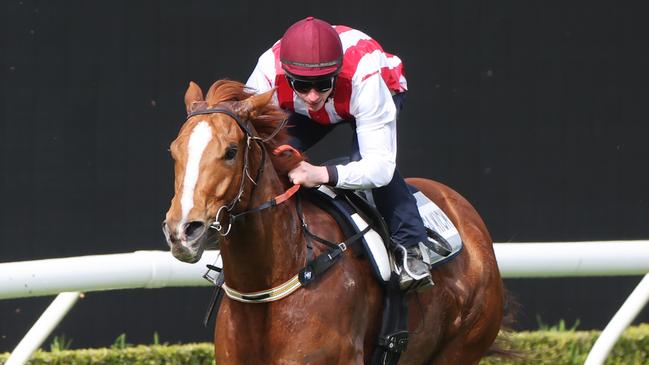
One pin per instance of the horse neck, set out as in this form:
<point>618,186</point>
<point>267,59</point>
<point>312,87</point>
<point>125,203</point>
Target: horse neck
<point>266,248</point>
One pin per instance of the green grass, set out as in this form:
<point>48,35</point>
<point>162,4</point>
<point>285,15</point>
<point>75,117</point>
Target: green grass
<point>60,343</point>
<point>561,326</point>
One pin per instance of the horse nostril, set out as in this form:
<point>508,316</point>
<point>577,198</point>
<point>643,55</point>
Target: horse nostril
<point>167,233</point>
<point>165,229</point>
<point>193,229</point>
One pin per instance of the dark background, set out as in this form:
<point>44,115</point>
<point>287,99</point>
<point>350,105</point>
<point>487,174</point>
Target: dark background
<point>535,111</point>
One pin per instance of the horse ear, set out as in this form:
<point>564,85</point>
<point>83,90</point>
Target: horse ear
<point>261,100</point>
<point>253,105</point>
<point>193,95</point>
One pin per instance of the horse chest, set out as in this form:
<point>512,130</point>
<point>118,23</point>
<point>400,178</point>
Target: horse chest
<point>293,334</point>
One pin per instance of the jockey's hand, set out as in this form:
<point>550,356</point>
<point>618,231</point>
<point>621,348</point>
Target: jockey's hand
<point>308,175</point>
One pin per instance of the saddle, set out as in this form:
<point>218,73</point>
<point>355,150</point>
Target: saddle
<point>353,212</point>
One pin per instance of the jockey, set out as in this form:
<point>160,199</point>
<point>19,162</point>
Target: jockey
<point>326,75</point>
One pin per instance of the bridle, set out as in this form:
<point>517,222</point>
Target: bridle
<point>246,127</point>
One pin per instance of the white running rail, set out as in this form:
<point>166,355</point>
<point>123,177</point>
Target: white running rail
<point>42,328</point>
<point>140,269</point>
<point>622,319</point>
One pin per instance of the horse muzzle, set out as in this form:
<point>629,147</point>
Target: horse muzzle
<point>186,240</point>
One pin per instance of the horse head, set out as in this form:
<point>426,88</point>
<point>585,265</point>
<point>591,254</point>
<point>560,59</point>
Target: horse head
<point>217,157</point>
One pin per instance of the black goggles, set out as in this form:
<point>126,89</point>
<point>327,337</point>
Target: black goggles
<point>304,86</point>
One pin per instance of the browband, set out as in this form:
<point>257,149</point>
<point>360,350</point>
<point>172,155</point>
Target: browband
<point>245,127</point>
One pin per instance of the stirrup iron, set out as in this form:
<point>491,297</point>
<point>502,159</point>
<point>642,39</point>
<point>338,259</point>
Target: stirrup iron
<point>404,265</point>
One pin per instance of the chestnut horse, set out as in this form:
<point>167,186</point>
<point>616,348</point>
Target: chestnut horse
<point>221,170</point>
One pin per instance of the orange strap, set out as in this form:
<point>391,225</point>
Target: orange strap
<point>292,190</point>
<point>287,194</point>
<point>278,199</point>
<point>285,148</point>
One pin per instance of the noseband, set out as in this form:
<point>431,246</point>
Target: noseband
<point>246,127</point>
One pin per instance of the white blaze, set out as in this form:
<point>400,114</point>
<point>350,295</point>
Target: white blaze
<point>198,140</point>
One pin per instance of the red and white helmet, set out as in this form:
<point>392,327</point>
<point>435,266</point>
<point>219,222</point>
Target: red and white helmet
<point>311,48</point>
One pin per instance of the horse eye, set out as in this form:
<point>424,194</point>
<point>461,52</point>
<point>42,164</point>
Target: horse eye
<point>230,153</point>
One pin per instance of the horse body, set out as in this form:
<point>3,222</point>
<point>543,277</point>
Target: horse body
<point>336,319</point>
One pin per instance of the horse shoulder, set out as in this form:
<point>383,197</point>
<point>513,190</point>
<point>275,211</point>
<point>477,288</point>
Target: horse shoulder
<point>353,300</point>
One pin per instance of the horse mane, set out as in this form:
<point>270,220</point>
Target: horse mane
<point>265,121</point>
